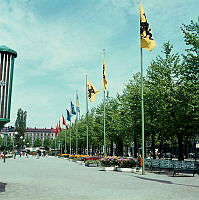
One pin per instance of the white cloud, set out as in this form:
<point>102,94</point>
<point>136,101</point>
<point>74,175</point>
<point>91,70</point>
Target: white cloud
<point>55,51</point>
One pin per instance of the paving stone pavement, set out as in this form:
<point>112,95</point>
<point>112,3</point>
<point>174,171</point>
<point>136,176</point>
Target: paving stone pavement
<point>52,178</point>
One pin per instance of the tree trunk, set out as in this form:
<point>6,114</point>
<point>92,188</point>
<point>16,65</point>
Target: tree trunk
<point>111,152</point>
<point>180,147</point>
<point>153,146</point>
<point>119,147</point>
<point>160,149</point>
<point>135,147</point>
<point>92,150</point>
<point>186,148</point>
<point>127,151</point>
<point>195,149</point>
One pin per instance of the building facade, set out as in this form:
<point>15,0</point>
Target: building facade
<point>42,133</point>
<point>31,133</point>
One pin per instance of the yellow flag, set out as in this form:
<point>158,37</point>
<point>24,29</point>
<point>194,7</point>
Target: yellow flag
<point>146,38</point>
<point>104,74</point>
<point>92,91</point>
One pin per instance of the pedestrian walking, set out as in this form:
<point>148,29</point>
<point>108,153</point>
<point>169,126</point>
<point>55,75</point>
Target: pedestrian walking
<point>4,156</point>
<point>139,161</point>
<point>15,153</point>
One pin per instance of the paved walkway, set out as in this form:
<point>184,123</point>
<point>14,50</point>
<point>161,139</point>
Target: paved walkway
<point>58,179</point>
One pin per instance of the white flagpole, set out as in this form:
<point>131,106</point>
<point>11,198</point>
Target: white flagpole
<point>70,137</point>
<point>142,102</point>
<point>87,115</point>
<point>65,134</point>
<point>76,125</point>
<point>104,115</point>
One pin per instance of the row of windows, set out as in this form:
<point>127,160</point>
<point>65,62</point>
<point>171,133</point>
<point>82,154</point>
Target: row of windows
<point>40,134</point>
<point>35,137</point>
<point>35,134</point>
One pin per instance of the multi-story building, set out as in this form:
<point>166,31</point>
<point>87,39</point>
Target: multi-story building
<point>31,133</point>
<point>41,133</point>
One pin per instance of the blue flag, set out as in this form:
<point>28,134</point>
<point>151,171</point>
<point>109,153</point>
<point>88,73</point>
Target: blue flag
<point>68,116</point>
<point>72,108</point>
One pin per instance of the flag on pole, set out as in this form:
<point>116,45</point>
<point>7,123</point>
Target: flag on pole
<point>104,74</point>
<point>92,91</point>
<point>63,121</point>
<point>59,126</point>
<point>68,116</point>
<point>146,38</point>
<point>56,130</point>
<point>72,108</point>
<point>77,105</point>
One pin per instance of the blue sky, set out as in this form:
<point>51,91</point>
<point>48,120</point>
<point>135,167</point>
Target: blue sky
<point>60,41</point>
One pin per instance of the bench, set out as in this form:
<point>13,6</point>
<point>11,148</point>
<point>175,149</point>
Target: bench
<point>154,165</point>
<point>185,167</point>
<point>172,166</point>
<point>166,165</point>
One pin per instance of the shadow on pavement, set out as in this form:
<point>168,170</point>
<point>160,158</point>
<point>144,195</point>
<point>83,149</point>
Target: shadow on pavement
<point>165,182</point>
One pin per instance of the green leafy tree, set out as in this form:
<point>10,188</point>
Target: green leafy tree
<point>28,141</point>
<point>163,81</point>
<point>47,143</point>
<point>37,142</point>
<point>10,143</point>
<point>130,113</point>
<point>1,143</point>
<point>190,79</point>
<point>20,127</point>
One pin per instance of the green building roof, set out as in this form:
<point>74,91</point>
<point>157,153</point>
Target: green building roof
<point>4,48</point>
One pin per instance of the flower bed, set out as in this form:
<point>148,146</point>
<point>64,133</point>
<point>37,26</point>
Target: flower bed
<point>76,157</point>
<point>92,158</point>
<point>92,163</point>
<point>119,162</point>
<point>64,155</point>
<point>109,161</point>
<point>126,162</point>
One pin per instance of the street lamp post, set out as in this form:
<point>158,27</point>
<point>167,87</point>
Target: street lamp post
<point>5,139</point>
<point>14,137</point>
<point>21,145</point>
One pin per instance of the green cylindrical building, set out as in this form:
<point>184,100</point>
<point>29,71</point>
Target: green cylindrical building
<point>6,77</point>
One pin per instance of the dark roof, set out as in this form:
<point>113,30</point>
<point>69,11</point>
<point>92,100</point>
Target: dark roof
<point>42,130</point>
<point>35,130</point>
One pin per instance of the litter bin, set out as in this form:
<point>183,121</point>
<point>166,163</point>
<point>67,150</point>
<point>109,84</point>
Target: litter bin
<point>2,187</point>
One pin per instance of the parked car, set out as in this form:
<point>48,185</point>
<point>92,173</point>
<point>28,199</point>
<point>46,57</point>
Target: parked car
<point>9,155</point>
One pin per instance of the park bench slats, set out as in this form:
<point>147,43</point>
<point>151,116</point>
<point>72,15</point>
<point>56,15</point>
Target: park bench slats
<point>172,166</point>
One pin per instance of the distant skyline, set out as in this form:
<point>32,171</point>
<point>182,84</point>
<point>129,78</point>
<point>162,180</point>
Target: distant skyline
<point>58,42</point>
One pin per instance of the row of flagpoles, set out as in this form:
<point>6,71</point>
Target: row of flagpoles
<point>69,115</point>
<point>91,93</point>
<point>146,42</point>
